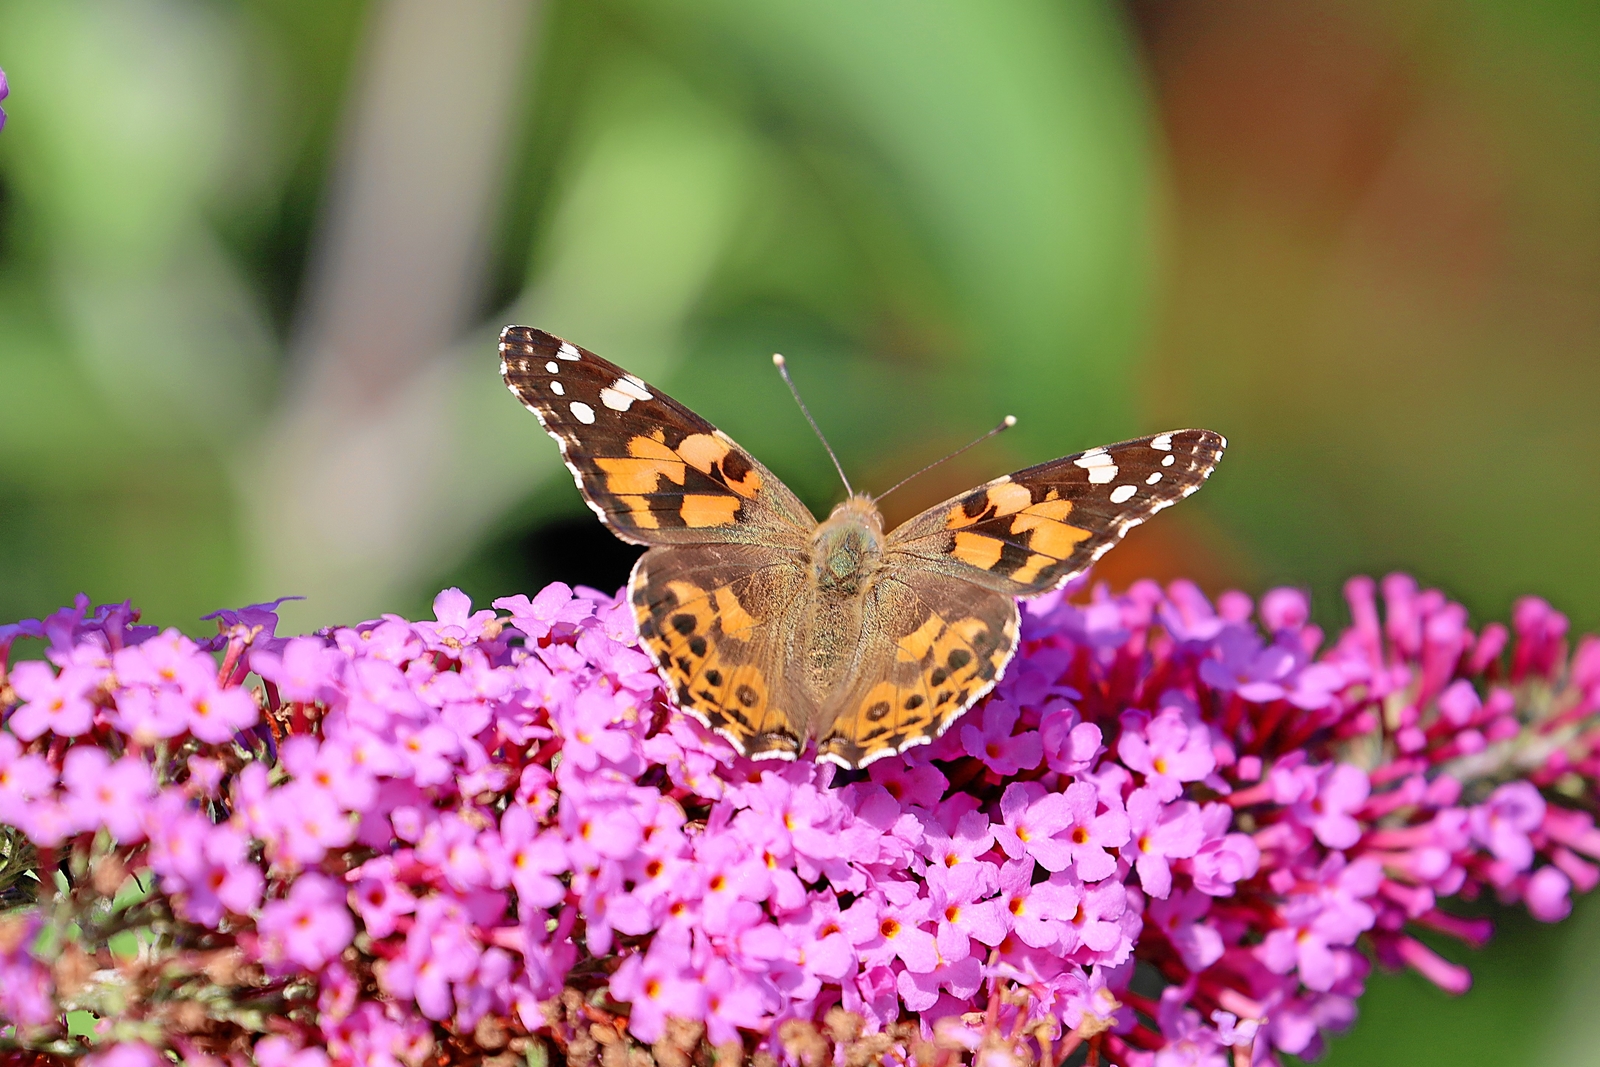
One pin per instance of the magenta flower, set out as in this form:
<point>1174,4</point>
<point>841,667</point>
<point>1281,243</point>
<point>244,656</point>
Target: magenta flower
<point>125,1054</point>
<point>24,779</point>
<point>102,793</point>
<point>961,913</point>
<point>994,741</point>
<point>553,606</point>
<point>306,669</point>
<point>1159,834</point>
<point>53,703</point>
<point>1504,822</point>
<point>516,811</point>
<point>1089,833</point>
<point>380,897</point>
<point>657,990</point>
<point>900,935</point>
<point>1168,750</point>
<point>310,927</point>
<point>1034,817</point>
<point>1038,910</point>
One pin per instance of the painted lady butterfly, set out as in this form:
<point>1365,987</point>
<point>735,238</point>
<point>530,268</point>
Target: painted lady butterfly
<point>775,630</point>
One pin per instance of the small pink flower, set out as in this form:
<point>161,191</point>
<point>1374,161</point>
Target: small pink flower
<point>310,927</point>
<point>656,989</point>
<point>58,704</point>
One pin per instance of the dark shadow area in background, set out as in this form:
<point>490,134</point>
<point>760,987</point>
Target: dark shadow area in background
<point>574,549</point>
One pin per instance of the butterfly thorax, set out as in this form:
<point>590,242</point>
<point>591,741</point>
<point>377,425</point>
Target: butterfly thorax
<point>847,548</point>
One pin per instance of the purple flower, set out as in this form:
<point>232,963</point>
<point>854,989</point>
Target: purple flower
<point>24,779</point>
<point>899,934</point>
<point>1096,926</point>
<point>217,714</point>
<point>5,91</point>
<point>1160,834</point>
<point>310,927</point>
<point>58,704</point>
<point>456,623</point>
<point>732,1001</point>
<point>994,742</point>
<point>102,793</point>
<point>1179,916</point>
<point>1169,751</point>
<point>125,1054</point>
<point>1089,832</point>
<point>305,670</point>
<point>552,606</point>
<point>1033,818</point>
<point>517,808</point>
<point>1071,746</point>
<point>1503,823</point>
<point>536,857</point>
<point>1327,799</point>
<point>379,897</point>
<point>590,737</point>
<point>656,989</point>
<point>1547,894</point>
<point>1038,911</point>
<point>960,916</point>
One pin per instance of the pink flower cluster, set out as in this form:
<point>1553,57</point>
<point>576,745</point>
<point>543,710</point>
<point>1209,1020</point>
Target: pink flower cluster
<point>407,831</point>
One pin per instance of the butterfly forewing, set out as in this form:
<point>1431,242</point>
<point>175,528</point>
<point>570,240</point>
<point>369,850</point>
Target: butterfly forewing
<point>1029,532</point>
<point>653,470</point>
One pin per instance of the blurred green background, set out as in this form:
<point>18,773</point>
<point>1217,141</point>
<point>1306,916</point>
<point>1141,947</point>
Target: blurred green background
<point>254,256</point>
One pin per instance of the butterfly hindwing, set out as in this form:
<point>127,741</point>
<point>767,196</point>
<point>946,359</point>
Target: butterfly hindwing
<point>715,619</point>
<point>1029,532</point>
<point>653,470</point>
<point>931,647</point>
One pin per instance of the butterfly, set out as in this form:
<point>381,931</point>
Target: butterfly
<point>775,630</point>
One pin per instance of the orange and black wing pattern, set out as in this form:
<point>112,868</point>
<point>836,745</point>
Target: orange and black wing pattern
<point>1029,532</point>
<point>654,471</point>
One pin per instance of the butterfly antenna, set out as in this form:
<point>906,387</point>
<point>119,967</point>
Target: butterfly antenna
<point>783,369</point>
<point>1005,424</point>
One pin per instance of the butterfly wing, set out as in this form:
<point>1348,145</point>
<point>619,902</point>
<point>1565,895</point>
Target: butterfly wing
<point>1030,532</point>
<point>654,471</point>
<point>717,619</point>
<point>931,646</point>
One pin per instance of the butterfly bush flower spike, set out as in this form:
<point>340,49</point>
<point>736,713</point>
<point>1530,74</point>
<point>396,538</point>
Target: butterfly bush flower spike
<point>492,831</point>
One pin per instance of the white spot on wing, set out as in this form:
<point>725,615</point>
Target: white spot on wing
<point>1163,442</point>
<point>1154,478</point>
<point>1099,465</point>
<point>1122,493</point>
<point>620,394</point>
<point>566,351</point>
<point>582,412</point>
<point>551,367</point>
<point>558,389</point>
<point>1169,461</point>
